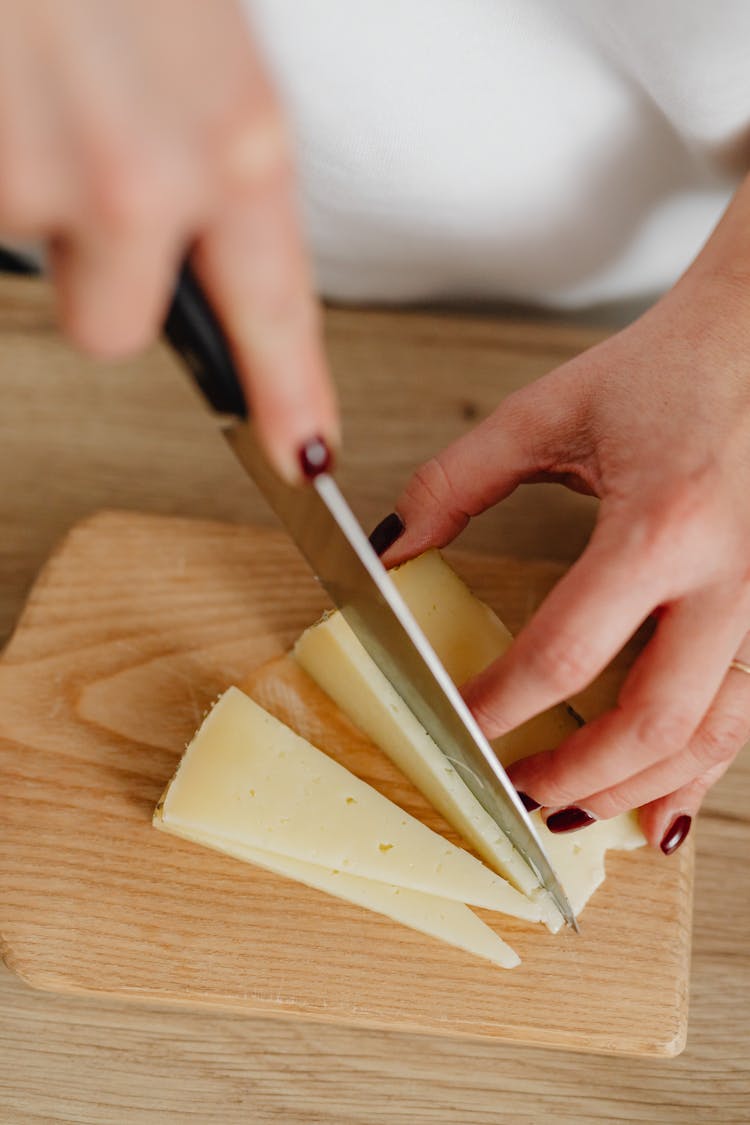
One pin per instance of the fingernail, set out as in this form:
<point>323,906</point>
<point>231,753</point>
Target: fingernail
<point>528,802</point>
<point>676,833</point>
<point>569,820</point>
<point>314,458</point>
<point>386,533</point>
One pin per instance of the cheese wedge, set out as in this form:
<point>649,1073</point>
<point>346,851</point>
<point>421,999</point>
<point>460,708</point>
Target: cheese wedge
<point>466,636</point>
<point>331,654</point>
<point>441,918</point>
<point>248,780</point>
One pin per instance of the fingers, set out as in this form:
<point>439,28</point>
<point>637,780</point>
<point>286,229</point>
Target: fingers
<point>36,174</point>
<point>685,777</point>
<point>255,273</point>
<point>661,706</point>
<point>114,266</point>
<point>112,149</point>
<point>585,620</point>
<point>112,293</point>
<point>537,430</point>
<point>667,821</point>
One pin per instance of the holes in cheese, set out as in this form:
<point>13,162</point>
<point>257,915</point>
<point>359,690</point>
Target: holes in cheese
<point>249,781</point>
<point>466,636</point>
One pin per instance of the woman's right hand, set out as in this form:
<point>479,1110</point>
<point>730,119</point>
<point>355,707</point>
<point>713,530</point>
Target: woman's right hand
<point>132,130</point>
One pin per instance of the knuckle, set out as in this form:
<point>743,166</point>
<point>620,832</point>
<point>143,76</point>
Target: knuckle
<point>676,520</point>
<point>720,739</point>
<point>256,152</point>
<point>691,496</point>
<point>547,775</point>
<point>491,719</point>
<point>665,730</point>
<point>555,789</point>
<point>128,191</point>
<point>563,662</point>
<point>431,484</point>
<point>556,778</point>
<point>613,802</point>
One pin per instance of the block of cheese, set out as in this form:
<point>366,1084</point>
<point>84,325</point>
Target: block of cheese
<point>466,635</point>
<point>441,918</point>
<point>249,780</point>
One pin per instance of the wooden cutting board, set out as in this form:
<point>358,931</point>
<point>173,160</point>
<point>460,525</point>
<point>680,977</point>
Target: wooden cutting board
<point>133,628</point>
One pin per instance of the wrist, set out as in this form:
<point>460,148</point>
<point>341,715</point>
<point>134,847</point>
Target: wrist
<point>719,277</point>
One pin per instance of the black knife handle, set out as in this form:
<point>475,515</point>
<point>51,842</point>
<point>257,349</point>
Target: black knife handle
<point>13,262</point>
<point>195,334</point>
<point>193,331</point>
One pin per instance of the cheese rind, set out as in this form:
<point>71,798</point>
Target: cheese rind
<point>249,780</point>
<point>442,918</point>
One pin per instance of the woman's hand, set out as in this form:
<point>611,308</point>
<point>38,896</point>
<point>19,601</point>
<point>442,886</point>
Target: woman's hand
<point>655,422</point>
<point>131,130</point>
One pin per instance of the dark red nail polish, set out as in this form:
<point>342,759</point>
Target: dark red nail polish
<point>569,820</point>
<point>386,533</point>
<point>315,458</point>
<point>676,833</point>
<point>528,802</point>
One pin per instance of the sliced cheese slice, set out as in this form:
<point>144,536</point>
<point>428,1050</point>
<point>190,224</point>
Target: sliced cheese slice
<point>466,635</point>
<point>441,918</point>
<point>247,779</point>
<point>332,655</point>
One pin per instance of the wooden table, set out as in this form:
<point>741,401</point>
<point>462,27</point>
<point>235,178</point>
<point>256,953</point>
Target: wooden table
<point>75,437</point>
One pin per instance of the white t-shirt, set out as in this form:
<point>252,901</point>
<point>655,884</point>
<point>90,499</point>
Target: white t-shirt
<point>562,152</point>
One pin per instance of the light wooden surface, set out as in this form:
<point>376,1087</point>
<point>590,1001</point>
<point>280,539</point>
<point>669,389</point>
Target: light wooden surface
<point>133,628</point>
<point>75,438</point>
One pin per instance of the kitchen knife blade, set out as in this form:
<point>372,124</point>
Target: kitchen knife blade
<point>331,539</point>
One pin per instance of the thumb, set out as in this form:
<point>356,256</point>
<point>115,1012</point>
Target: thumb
<point>532,435</point>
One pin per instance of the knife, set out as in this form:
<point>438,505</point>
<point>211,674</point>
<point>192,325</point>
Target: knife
<point>334,544</point>
<point>331,539</point>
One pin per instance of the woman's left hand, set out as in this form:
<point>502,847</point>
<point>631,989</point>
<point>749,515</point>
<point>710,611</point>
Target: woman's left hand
<point>656,423</point>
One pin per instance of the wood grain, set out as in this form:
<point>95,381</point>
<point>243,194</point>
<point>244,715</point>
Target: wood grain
<point>134,627</point>
<point>77,436</point>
